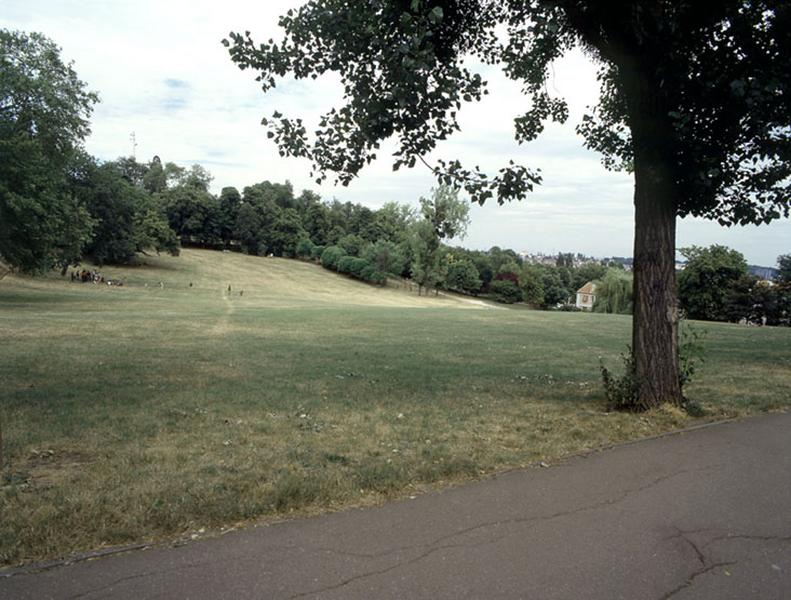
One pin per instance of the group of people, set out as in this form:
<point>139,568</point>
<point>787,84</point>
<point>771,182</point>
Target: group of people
<point>85,276</point>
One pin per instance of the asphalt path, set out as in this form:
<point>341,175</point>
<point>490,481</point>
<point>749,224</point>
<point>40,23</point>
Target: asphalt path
<point>701,514</point>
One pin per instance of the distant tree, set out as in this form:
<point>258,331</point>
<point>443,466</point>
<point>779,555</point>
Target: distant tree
<point>247,230</point>
<point>393,220</point>
<point>286,232</point>
<point>317,223</point>
<point>192,211</point>
<point>500,256</point>
<point>352,244</point>
<point>279,194</point>
<point>463,276</point>
<point>444,216</point>
<point>532,284</point>
<point>590,271</point>
<point>362,222</point>
<point>196,177</point>
<point>306,200</point>
<point>331,256</point>
<point>44,111</point>
<point>506,291</point>
<point>784,269</point>
<point>565,259</point>
<point>112,202</point>
<point>486,271</point>
<point>614,293</point>
<point>229,202</point>
<point>707,279</point>
<point>512,268</point>
<point>151,230</point>
<point>555,291</point>
<point>386,256</point>
<point>305,248</point>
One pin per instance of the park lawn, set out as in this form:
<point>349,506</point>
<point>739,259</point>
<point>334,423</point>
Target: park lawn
<point>148,412</point>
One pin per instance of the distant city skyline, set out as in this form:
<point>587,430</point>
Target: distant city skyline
<point>161,72</point>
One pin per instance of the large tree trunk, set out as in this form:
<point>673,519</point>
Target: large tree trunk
<point>655,321</point>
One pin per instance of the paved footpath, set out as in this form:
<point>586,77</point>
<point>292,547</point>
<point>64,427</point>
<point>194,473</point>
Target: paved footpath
<point>703,514</point>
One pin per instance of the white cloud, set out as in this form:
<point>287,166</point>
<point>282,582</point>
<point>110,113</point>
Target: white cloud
<point>161,72</point>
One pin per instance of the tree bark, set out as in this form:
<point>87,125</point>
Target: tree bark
<point>655,320</point>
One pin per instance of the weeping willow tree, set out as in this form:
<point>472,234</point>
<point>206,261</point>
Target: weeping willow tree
<point>614,293</point>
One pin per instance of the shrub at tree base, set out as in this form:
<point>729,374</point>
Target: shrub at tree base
<point>622,392</point>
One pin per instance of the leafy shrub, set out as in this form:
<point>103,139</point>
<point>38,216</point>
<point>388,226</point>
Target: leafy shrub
<point>506,291</point>
<point>357,266</point>
<point>317,251</point>
<point>621,392</point>
<point>351,244</point>
<point>304,248</point>
<point>344,264</point>
<point>373,275</point>
<point>386,256</point>
<point>331,256</point>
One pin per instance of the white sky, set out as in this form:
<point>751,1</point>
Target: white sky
<point>161,72</point>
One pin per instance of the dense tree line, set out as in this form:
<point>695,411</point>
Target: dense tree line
<point>715,285</point>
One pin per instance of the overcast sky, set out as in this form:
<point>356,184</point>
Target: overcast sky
<point>161,72</point>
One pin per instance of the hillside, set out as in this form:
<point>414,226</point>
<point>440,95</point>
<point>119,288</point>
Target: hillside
<point>263,282</point>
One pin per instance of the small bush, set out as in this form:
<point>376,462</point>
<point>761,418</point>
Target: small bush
<point>621,392</point>
<point>331,256</point>
<point>345,264</point>
<point>317,251</point>
<point>304,248</point>
<point>373,275</point>
<point>506,291</point>
<point>357,266</point>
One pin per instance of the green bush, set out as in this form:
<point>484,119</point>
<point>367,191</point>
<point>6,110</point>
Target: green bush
<point>304,248</point>
<point>621,392</point>
<point>351,244</point>
<point>506,291</point>
<point>357,266</point>
<point>317,251</point>
<point>345,264</point>
<point>373,275</point>
<point>331,256</point>
<point>386,256</point>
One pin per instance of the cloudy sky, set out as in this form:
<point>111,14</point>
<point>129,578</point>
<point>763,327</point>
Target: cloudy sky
<point>162,73</point>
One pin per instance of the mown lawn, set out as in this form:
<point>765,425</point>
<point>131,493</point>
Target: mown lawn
<point>149,412</point>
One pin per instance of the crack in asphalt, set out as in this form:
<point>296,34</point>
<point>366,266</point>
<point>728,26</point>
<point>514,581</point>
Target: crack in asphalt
<point>701,556</point>
<point>740,536</point>
<point>691,579</point>
<point>432,546</point>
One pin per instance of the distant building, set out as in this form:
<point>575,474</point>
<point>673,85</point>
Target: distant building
<point>586,296</point>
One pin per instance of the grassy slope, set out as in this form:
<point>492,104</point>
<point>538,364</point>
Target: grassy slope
<point>139,412</point>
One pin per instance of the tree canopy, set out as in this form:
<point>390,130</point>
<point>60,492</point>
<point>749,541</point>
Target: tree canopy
<point>403,67</point>
<point>44,112</point>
